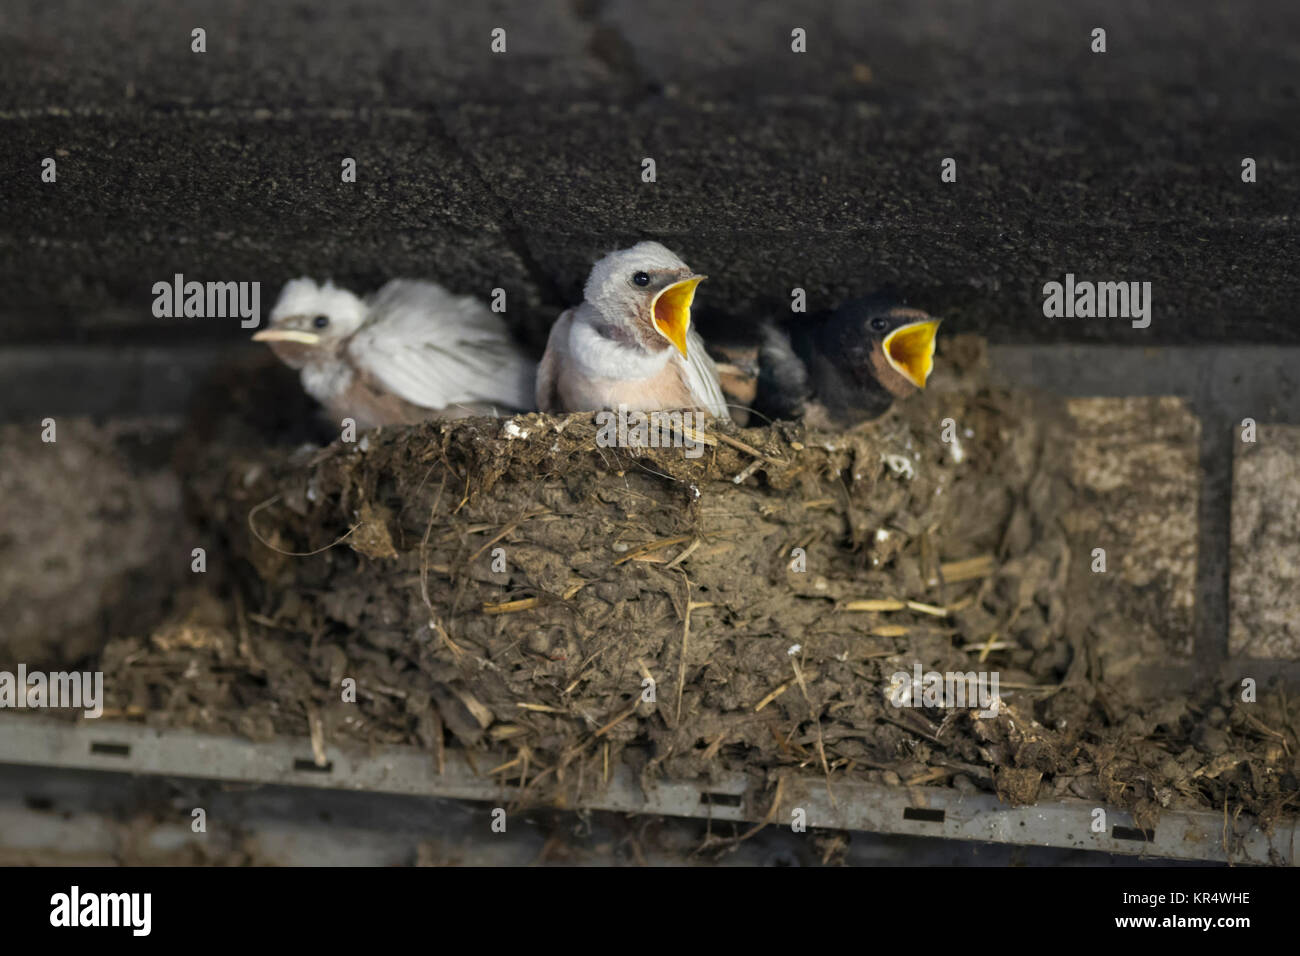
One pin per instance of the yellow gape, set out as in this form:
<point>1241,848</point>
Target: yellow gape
<point>672,310</point>
<point>910,350</point>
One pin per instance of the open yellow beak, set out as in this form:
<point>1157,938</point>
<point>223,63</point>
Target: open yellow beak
<point>672,310</point>
<point>287,335</point>
<point>910,350</point>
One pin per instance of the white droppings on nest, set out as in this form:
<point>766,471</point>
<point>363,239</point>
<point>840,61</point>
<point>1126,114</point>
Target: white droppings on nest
<point>620,547</point>
<point>882,535</point>
<point>794,649</point>
<point>364,444</point>
<point>312,494</point>
<point>513,431</point>
<point>900,465</point>
<point>695,492</point>
<point>958,453</point>
<point>820,584</point>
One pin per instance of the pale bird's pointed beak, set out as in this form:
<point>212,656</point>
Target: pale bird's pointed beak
<point>287,335</point>
<point>910,350</point>
<point>672,310</point>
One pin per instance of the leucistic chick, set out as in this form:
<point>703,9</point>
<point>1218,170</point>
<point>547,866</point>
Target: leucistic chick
<point>630,343</point>
<point>412,352</point>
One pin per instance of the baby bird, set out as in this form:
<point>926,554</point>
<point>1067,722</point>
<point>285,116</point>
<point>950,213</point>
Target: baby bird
<point>412,352</point>
<point>630,342</point>
<point>834,369</point>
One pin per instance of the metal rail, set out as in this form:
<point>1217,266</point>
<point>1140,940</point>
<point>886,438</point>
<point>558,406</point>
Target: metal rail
<point>915,811</point>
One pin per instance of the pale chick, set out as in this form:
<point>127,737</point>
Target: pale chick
<point>630,342</point>
<point>411,353</point>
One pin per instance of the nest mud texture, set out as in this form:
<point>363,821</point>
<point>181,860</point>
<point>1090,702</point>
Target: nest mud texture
<point>555,607</point>
<point>91,539</point>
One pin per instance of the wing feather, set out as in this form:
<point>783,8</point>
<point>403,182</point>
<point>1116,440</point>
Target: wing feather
<point>438,350</point>
<point>702,376</point>
<point>548,372</point>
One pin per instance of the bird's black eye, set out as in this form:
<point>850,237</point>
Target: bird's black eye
<point>879,324</point>
<point>321,321</point>
<point>641,278</point>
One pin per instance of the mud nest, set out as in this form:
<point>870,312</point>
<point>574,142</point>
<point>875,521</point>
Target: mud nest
<point>555,607</point>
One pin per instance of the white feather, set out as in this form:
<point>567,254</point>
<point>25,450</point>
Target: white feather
<point>304,297</point>
<point>438,350</point>
<point>596,356</point>
<point>702,376</point>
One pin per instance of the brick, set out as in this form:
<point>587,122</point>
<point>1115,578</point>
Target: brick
<point>1264,593</point>
<point>1134,464</point>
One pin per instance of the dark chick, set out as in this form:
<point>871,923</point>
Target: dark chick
<point>836,369</point>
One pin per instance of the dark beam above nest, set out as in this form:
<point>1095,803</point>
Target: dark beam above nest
<point>775,169</point>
